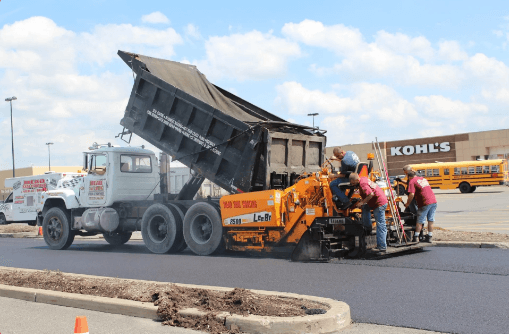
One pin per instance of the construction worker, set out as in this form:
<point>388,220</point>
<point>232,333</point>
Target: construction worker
<point>349,161</point>
<point>375,198</point>
<point>419,188</point>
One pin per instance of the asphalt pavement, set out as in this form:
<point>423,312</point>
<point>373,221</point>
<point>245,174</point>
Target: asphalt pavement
<point>440,289</point>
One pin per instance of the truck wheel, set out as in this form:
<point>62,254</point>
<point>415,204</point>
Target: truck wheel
<point>181,211</point>
<point>56,229</point>
<point>117,239</point>
<point>3,221</point>
<point>203,229</point>
<point>465,187</point>
<point>161,228</point>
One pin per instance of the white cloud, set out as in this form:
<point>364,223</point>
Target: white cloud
<point>441,107</point>
<point>155,17</point>
<point>253,55</point>
<point>451,51</point>
<point>192,31</point>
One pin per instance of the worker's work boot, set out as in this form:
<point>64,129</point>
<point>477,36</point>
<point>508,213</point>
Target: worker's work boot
<point>415,239</point>
<point>428,238</point>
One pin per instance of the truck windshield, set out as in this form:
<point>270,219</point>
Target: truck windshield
<point>9,199</point>
<point>135,163</point>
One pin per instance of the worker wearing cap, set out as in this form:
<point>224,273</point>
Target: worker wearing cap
<point>375,198</point>
<point>419,188</point>
<point>349,161</point>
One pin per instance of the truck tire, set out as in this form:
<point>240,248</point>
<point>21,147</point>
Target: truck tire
<point>161,229</point>
<point>465,187</point>
<point>203,229</point>
<point>3,221</point>
<point>117,239</point>
<point>56,229</point>
<point>182,212</point>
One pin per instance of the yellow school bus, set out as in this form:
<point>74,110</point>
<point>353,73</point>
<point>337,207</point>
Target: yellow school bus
<point>465,175</point>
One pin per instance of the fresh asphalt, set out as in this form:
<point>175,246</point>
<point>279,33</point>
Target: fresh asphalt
<point>442,289</point>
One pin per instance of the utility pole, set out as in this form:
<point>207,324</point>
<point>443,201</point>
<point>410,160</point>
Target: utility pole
<point>313,114</point>
<point>10,99</point>
<point>49,156</point>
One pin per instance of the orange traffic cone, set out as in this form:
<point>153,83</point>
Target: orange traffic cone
<point>81,326</point>
<point>40,231</point>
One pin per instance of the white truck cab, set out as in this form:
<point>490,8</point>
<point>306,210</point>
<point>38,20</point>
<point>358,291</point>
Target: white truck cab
<point>102,200</point>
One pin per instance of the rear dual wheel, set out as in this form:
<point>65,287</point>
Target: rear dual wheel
<point>203,229</point>
<point>161,229</point>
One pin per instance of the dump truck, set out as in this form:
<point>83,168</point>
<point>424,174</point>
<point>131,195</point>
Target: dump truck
<point>275,170</point>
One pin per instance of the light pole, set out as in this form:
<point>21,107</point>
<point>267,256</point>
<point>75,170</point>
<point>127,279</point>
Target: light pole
<point>49,156</point>
<point>313,114</point>
<point>10,99</point>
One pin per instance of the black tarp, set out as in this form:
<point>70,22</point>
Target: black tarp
<point>190,80</point>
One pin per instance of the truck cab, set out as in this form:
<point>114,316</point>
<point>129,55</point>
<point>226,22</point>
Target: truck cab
<point>105,200</point>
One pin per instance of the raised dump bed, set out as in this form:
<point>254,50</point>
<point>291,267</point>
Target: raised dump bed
<point>229,141</point>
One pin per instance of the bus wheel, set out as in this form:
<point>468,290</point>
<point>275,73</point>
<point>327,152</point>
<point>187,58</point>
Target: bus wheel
<point>473,189</point>
<point>161,227</point>
<point>465,187</point>
<point>203,229</point>
<point>56,229</point>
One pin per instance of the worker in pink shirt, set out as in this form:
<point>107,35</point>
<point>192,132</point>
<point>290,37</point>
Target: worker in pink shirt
<point>375,198</point>
<point>419,188</point>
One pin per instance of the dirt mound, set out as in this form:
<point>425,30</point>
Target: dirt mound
<point>17,228</point>
<point>440,234</point>
<point>169,298</point>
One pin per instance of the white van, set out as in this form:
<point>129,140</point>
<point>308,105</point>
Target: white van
<point>22,204</point>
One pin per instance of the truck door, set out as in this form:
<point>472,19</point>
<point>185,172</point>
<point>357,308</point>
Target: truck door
<point>95,181</point>
<point>8,207</point>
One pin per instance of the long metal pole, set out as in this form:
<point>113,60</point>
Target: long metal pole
<point>49,158</point>
<point>12,141</point>
<point>391,196</point>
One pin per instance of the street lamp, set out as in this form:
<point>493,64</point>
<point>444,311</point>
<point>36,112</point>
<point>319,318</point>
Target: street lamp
<point>313,114</point>
<point>49,156</point>
<point>10,99</point>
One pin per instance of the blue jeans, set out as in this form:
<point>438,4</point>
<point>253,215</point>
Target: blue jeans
<point>381,228</point>
<point>338,192</point>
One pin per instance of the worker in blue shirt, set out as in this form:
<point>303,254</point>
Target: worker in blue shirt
<point>349,161</point>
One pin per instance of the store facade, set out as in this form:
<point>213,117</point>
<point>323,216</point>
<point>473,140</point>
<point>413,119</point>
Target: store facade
<point>482,145</point>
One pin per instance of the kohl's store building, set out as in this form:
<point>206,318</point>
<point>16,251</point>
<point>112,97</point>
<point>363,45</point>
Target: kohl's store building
<point>484,145</point>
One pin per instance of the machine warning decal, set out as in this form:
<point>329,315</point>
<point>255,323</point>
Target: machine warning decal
<point>255,217</point>
<point>310,211</point>
<point>240,204</point>
<point>270,203</point>
<point>278,198</point>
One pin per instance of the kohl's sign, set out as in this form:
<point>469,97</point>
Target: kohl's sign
<point>418,149</point>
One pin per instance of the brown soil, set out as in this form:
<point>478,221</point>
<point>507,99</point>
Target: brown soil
<point>16,228</point>
<point>440,234</point>
<point>169,298</point>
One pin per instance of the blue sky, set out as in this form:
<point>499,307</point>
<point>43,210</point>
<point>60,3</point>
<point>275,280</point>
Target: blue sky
<point>392,69</point>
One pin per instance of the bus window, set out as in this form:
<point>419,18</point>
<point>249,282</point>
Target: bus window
<point>495,169</point>
<point>446,171</point>
<point>429,172</point>
<point>436,172</point>
<point>478,170</point>
<point>486,169</point>
<point>456,171</point>
<point>471,170</point>
<point>421,172</point>
<point>464,171</point>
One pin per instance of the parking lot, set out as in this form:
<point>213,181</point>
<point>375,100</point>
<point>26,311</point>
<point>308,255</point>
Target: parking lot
<point>485,210</point>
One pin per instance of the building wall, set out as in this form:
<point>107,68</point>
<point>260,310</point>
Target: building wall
<point>492,144</point>
<point>29,171</point>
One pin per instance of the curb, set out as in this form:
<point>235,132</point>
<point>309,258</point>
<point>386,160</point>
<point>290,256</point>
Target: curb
<point>461,244</point>
<point>336,318</point>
